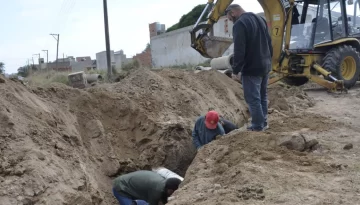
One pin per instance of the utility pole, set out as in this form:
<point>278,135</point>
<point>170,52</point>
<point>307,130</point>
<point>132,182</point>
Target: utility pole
<point>57,38</point>
<point>38,54</point>
<point>32,65</point>
<point>28,67</point>
<point>107,39</point>
<point>47,59</point>
<point>47,55</point>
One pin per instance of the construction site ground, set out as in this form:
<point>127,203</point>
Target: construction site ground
<point>60,145</point>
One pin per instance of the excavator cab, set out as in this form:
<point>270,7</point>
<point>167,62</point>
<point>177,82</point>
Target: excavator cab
<point>318,21</point>
<point>320,42</point>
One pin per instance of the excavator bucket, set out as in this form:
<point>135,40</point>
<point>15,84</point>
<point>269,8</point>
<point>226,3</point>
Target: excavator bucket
<point>212,46</point>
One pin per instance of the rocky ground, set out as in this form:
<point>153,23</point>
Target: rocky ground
<point>60,145</point>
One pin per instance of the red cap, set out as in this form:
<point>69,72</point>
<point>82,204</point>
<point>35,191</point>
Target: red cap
<point>211,119</point>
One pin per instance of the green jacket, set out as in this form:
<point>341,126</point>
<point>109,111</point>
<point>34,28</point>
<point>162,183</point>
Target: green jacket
<point>144,185</point>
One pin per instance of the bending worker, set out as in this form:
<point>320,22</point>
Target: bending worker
<point>206,129</point>
<point>144,185</point>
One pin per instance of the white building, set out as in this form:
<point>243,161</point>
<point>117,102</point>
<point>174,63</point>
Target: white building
<point>101,60</point>
<point>174,48</point>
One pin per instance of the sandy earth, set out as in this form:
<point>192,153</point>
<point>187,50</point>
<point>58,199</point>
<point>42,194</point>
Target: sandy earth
<point>60,145</point>
<point>248,168</point>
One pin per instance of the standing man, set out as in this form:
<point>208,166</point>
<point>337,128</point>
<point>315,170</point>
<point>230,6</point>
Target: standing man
<point>206,129</point>
<point>252,58</point>
<point>144,185</point>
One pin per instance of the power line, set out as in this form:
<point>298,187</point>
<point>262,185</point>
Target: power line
<point>66,8</point>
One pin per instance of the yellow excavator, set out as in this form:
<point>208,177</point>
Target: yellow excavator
<point>312,40</point>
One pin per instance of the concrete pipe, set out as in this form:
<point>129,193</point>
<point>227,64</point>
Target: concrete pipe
<point>222,63</point>
<point>202,68</point>
<point>92,78</point>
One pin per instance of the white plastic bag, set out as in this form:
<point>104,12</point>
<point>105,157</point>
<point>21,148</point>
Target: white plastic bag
<point>166,173</point>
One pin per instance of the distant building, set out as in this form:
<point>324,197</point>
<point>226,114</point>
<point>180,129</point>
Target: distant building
<point>101,60</point>
<point>156,29</point>
<point>121,59</point>
<point>144,58</point>
<point>67,59</point>
<point>61,66</point>
<point>82,64</point>
<point>118,60</point>
<point>84,58</point>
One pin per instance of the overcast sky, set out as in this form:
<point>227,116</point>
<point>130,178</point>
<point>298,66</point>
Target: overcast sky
<point>26,25</point>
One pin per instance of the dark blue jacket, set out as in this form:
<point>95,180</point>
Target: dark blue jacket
<point>227,125</point>
<point>202,135</point>
<point>252,46</point>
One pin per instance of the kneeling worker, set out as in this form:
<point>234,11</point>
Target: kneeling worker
<point>206,129</point>
<point>227,125</point>
<point>144,185</point>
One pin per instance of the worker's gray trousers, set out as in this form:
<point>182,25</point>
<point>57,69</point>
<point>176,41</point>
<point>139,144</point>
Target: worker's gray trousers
<point>255,94</point>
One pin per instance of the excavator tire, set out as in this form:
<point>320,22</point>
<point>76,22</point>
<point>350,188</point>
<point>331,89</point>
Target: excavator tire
<point>295,81</point>
<point>344,64</point>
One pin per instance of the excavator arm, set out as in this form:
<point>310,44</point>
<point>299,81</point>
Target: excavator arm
<point>278,16</point>
<point>207,45</point>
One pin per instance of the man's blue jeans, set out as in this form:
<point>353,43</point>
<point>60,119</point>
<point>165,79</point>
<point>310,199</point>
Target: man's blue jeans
<point>126,201</point>
<point>255,94</point>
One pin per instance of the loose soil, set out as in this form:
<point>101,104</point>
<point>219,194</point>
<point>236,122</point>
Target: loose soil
<point>250,168</point>
<point>60,145</point>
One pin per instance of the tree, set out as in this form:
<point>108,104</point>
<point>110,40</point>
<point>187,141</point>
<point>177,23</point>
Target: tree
<point>147,47</point>
<point>190,18</point>
<point>2,68</point>
<point>24,70</point>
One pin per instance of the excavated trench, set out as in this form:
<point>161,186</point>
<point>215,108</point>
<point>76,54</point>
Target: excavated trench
<point>62,145</point>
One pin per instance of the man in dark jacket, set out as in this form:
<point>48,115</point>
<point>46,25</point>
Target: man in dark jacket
<point>252,58</point>
<point>144,185</point>
<point>206,129</point>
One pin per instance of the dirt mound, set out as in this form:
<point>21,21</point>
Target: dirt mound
<point>251,168</point>
<point>286,98</point>
<point>61,145</point>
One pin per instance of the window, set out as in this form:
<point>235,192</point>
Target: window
<point>301,32</point>
<point>353,14</point>
<point>323,20</point>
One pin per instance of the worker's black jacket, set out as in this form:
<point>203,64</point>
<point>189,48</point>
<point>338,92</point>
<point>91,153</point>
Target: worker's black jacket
<point>252,46</point>
<point>227,125</point>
